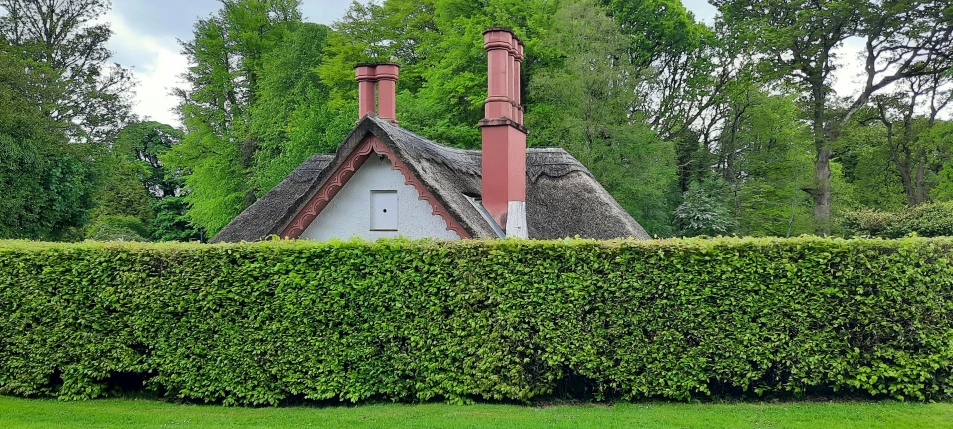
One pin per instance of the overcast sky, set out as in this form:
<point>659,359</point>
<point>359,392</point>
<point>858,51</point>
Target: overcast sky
<point>145,33</point>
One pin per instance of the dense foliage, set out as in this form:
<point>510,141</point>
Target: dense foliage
<point>925,220</point>
<point>502,320</point>
<point>43,180</point>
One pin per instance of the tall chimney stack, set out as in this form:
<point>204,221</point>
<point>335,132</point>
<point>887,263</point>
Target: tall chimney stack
<point>504,137</point>
<point>382,79</point>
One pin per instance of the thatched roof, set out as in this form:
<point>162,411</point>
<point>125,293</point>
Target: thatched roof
<point>562,197</point>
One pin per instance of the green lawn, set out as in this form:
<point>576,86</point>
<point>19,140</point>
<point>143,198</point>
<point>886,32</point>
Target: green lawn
<point>139,413</point>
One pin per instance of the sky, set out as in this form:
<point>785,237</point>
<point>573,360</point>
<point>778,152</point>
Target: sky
<point>146,32</point>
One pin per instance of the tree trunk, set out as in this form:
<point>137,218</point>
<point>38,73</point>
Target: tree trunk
<point>920,195</point>
<point>822,163</point>
<point>822,192</point>
<point>907,181</point>
<point>912,181</point>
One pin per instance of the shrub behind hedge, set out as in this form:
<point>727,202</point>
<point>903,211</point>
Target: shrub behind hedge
<point>510,320</point>
<point>924,220</point>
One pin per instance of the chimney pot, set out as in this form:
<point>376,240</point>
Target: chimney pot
<point>387,91</point>
<point>382,79</point>
<point>513,78</point>
<point>498,42</point>
<point>366,80</point>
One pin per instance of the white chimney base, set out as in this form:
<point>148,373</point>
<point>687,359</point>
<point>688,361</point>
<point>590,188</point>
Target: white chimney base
<point>516,220</point>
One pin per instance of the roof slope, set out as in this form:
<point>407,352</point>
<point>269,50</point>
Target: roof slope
<point>259,220</point>
<point>562,197</point>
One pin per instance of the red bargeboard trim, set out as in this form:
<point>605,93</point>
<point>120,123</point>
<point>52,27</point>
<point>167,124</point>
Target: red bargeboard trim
<point>340,177</point>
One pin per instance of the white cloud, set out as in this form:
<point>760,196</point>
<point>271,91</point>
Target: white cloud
<point>849,79</point>
<point>157,68</point>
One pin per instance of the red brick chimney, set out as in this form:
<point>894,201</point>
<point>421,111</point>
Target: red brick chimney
<point>383,76</point>
<point>504,137</point>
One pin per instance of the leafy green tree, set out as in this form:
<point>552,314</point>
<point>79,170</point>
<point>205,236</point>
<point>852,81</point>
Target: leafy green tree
<point>138,149</point>
<point>292,118</point>
<point>703,210</point>
<point>45,182</point>
<point>171,222</point>
<point>864,154</point>
<point>226,58</point>
<point>86,94</point>
<point>798,39</point>
<point>915,140</point>
<point>439,44</point>
<point>943,188</point>
<point>584,105</point>
<point>122,193</point>
<point>142,143</point>
<point>680,63</point>
<point>763,156</point>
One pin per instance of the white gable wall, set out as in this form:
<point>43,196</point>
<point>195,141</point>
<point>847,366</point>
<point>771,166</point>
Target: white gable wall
<point>348,213</point>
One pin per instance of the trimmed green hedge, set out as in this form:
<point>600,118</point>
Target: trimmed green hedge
<point>502,320</point>
<point>924,220</point>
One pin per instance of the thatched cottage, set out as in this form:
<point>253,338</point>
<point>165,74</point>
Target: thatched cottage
<point>385,181</point>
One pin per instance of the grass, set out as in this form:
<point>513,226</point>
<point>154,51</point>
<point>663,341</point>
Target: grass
<point>144,413</point>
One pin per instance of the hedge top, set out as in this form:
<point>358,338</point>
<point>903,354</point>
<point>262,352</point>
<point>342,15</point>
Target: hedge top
<point>695,242</point>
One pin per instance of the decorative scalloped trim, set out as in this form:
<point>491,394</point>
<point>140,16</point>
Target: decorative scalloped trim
<point>411,179</point>
<point>340,177</point>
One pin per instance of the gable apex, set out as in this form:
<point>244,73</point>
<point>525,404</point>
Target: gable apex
<point>341,172</point>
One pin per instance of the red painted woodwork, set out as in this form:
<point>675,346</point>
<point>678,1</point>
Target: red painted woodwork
<point>345,171</point>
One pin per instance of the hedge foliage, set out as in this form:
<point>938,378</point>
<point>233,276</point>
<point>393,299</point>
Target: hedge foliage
<point>924,220</point>
<point>502,320</point>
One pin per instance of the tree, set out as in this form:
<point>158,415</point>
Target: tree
<point>132,202</point>
<point>86,96</point>
<point>762,156</point>
<point>683,66</point>
<point>45,182</point>
<point>219,150</point>
<point>158,210</point>
<point>584,105</point>
<point>703,211</point>
<point>439,44</point>
<point>140,147</point>
<point>798,40</point>
<point>292,118</point>
<point>143,143</point>
<point>912,140</point>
